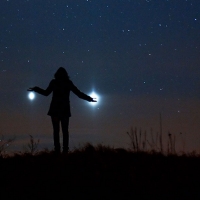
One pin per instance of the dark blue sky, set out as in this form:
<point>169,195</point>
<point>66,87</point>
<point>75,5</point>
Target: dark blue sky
<point>140,56</point>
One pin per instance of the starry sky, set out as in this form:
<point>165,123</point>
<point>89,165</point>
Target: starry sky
<point>140,56</point>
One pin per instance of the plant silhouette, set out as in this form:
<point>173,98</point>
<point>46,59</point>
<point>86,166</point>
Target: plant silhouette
<point>59,110</point>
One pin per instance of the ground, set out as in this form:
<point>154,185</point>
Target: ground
<point>100,173</point>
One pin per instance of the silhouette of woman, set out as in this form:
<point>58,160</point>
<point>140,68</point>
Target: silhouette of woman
<point>60,105</point>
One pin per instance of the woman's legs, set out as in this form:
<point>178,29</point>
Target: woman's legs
<point>65,125</point>
<point>56,129</point>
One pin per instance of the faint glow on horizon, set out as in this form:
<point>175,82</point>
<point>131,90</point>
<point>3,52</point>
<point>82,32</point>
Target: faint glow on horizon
<point>96,97</point>
<point>31,96</point>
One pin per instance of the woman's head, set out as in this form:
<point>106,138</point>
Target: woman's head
<point>61,74</point>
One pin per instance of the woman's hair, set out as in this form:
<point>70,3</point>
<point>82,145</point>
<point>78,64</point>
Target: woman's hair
<point>61,74</point>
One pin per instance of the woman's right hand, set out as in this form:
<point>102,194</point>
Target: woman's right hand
<point>31,89</point>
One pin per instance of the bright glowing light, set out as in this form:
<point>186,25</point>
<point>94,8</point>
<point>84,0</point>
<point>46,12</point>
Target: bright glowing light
<point>96,97</point>
<point>31,95</point>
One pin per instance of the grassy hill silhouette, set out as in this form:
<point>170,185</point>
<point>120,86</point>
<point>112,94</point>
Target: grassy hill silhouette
<point>100,172</point>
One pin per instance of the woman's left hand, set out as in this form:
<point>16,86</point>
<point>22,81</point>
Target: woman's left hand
<point>93,100</point>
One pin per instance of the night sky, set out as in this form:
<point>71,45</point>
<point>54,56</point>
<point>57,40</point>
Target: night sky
<point>140,56</point>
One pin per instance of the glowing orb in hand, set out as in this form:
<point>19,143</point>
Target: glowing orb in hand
<point>31,95</point>
<point>96,97</point>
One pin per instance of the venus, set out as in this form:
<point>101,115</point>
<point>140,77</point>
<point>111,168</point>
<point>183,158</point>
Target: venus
<point>96,97</point>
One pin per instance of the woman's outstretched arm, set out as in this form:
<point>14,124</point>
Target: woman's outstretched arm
<point>42,91</point>
<point>80,94</point>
